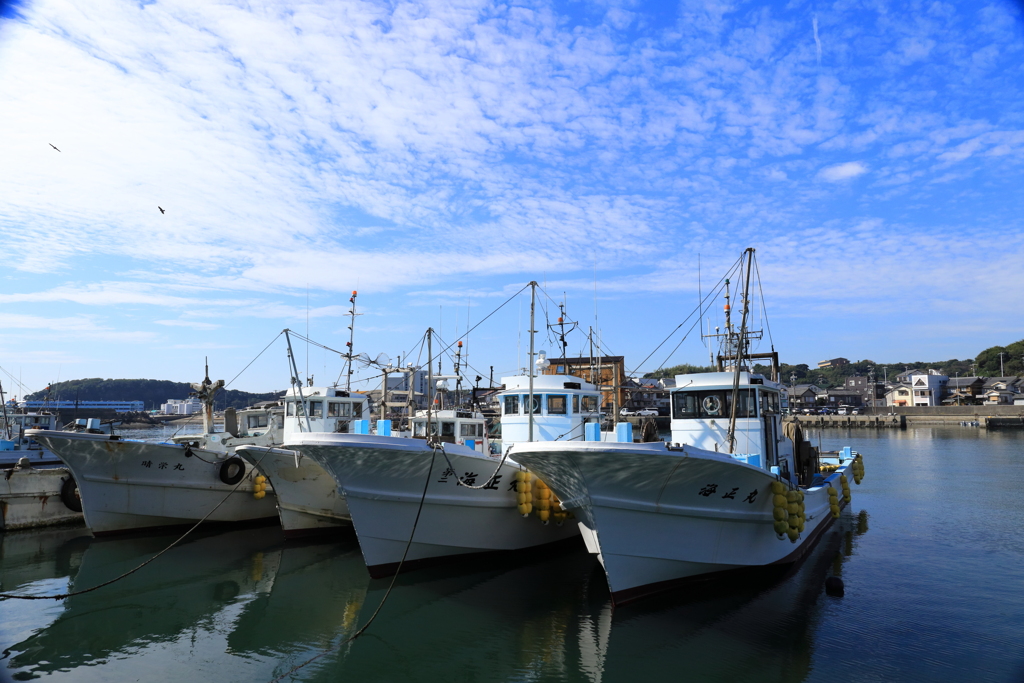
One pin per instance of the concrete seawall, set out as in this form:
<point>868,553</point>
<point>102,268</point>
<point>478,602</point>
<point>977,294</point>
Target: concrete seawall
<point>907,419</point>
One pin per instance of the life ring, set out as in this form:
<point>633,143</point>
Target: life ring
<point>69,495</point>
<point>712,405</point>
<point>232,470</point>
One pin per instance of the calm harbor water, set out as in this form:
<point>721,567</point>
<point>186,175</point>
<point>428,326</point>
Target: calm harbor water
<point>932,557</point>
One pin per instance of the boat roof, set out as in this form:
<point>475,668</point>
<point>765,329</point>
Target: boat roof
<point>721,380</point>
<point>543,383</point>
<point>320,392</point>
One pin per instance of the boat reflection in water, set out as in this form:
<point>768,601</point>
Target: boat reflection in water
<point>245,605</point>
<point>180,597</point>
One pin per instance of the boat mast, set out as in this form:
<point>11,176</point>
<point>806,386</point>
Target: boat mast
<point>297,384</point>
<point>351,338</point>
<point>7,424</point>
<point>431,438</point>
<point>738,355</point>
<point>533,306</point>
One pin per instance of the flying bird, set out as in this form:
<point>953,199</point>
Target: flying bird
<point>54,146</point>
<point>161,209</point>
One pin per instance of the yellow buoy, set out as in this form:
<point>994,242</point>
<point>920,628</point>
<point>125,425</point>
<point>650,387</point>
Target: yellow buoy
<point>522,499</point>
<point>779,500</point>
<point>778,487</point>
<point>260,479</point>
<point>780,513</point>
<point>781,527</point>
<point>544,515</point>
<point>259,494</point>
<point>793,534</point>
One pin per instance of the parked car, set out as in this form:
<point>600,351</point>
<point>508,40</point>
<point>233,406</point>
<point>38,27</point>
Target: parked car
<point>626,412</point>
<point>826,411</point>
<point>646,412</point>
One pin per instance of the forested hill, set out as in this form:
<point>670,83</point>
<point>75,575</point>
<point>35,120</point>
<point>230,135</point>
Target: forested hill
<point>151,391</point>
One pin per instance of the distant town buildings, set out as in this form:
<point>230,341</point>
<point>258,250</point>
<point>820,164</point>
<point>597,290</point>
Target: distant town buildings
<point>188,406</point>
<point>833,363</point>
<point>116,406</point>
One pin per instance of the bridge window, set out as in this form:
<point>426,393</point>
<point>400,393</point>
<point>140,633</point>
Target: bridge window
<point>511,405</point>
<point>316,409</point>
<point>556,405</point>
<point>575,404</point>
<point>589,404</point>
<point>447,429</point>
<point>472,429</point>
<point>712,404</point>
<point>339,409</point>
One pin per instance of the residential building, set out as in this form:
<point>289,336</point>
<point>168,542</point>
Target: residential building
<point>804,396</point>
<point>844,397</point>
<point>647,393</point>
<point>116,406</point>
<point>833,363</point>
<point>1000,391</point>
<point>961,391</point>
<point>872,392</point>
<point>608,372</point>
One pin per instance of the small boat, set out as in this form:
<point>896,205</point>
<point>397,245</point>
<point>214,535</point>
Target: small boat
<point>15,444</point>
<point>127,485</point>
<point>735,489</point>
<point>36,497</point>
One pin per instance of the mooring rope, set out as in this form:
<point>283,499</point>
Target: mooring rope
<point>408,544</point>
<point>129,573</point>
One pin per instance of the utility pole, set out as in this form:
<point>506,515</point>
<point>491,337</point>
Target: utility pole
<point>1001,354</point>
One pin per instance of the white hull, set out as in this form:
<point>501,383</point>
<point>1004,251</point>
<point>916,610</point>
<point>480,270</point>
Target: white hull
<point>121,492</point>
<point>308,499</point>
<point>656,517</point>
<point>383,479</point>
<point>31,498</point>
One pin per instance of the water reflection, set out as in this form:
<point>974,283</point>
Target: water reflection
<point>178,593</point>
<point>244,605</point>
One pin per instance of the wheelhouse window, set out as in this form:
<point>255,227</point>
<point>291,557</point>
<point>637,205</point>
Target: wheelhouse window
<point>471,429</point>
<point>511,405</point>
<point>447,429</point>
<point>556,405</point>
<point>339,409</point>
<point>419,428</point>
<point>712,404</point>
<point>290,408</point>
<point>769,403</point>
<point>257,421</point>
<point>589,404</point>
<point>536,404</point>
<point>575,404</point>
<point>316,409</point>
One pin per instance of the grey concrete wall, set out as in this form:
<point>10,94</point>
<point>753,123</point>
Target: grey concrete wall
<point>948,411</point>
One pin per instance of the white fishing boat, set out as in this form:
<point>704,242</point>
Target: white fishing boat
<point>127,485</point>
<point>442,493</point>
<point>735,489</point>
<point>308,499</point>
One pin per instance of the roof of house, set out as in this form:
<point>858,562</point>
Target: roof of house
<point>955,382</point>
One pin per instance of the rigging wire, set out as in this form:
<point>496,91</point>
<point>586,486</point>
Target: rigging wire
<point>699,310</point>
<point>764,309</point>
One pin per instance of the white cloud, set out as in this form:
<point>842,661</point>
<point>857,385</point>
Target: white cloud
<point>845,171</point>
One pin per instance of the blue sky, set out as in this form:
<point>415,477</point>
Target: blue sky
<point>438,156</point>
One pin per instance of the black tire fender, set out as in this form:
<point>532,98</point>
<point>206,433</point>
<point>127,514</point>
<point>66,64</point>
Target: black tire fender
<point>232,470</point>
<point>69,495</point>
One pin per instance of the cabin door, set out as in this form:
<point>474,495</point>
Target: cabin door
<point>771,441</point>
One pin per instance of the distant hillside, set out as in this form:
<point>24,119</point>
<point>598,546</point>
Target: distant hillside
<point>152,392</point>
<point>985,365</point>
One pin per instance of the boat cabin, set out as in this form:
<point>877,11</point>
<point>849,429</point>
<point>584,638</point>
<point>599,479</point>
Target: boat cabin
<point>453,426</point>
<point>15,424</point>
<point>562,405</point>
<point>323,409</point>
<point>702,409</point>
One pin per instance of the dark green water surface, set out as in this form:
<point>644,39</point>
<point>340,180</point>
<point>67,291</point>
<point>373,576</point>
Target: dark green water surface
<point>932,556</point>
